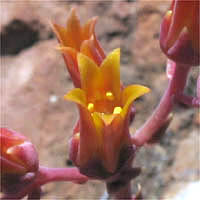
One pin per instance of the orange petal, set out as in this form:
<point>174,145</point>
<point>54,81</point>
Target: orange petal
<point>113,138</point>
<point>89,138</point>
<point>110,73</point>
<point>99,125</point>
<point>72,52</point>
<point>89,49</point>
<point>61,33</point>
<point>70,57</point>
<point>129,94</point>
<point>73,29</point>
<point>98,46</point>
<point>88,28</point>
<point>88,31</point>
<point>76,95</point>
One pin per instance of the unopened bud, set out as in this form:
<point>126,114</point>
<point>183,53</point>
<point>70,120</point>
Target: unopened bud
<point>18,155</point>
<point>179,34</point>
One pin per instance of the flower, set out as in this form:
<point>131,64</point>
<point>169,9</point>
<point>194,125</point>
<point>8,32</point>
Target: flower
<point>104,108</point>
<point>18,155</point>
<point>74,39</point>
<point>179,37</point>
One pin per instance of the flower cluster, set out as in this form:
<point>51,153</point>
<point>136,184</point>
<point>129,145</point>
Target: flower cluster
<point>104,104</point>
<point>101,146</point>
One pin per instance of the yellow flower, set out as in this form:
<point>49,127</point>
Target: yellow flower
<point>104,111</point>
<point>74,39</point>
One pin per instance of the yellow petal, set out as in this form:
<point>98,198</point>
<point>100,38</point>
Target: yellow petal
<point>129,94</point>
<point>76,95</point>
<point>110,72</point>
<point>106,118</point>
<point>90,77</point>
<point>99,125</point>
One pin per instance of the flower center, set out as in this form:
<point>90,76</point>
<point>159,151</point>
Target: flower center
<point>105,104</point>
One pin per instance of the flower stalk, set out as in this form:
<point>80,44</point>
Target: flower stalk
<point>175,87</point>
<point>45,175</point>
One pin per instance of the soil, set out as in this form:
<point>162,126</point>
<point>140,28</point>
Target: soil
<point>34,79</point>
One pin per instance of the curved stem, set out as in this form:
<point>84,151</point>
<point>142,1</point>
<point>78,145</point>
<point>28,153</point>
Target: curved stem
<point>60,174</point>
<point>154,123</point>
<point>46,175</point>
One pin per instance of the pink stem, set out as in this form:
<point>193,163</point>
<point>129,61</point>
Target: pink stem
<point>46,175</point>
<point>154,123</point>
<point>188,100</point>
<point>60,174</point>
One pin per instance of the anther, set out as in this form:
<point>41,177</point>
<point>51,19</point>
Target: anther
<point>109,96</point>
<point>117,110</point>
<point>91,107</point>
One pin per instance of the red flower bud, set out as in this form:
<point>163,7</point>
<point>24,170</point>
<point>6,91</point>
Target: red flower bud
<point>18,155</point>
<point>179,36</point>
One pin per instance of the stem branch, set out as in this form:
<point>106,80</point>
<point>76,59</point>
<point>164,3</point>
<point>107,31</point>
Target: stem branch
<point>46,175</point>
<point>154,123</point>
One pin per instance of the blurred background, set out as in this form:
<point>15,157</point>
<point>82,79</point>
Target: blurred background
<point>34,79</point>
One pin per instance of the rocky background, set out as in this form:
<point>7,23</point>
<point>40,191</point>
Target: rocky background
<point>34,79</point>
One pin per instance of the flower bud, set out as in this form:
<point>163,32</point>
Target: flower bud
<point>18,155</point>
<point>75,38</point>
<point>179,36</point>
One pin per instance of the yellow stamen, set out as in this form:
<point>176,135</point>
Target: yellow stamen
<point>109,96</point>
<point>117,110</point>
<point>91,107</point>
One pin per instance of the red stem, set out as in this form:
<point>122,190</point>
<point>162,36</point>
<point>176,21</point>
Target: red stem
<point>154,123</point>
